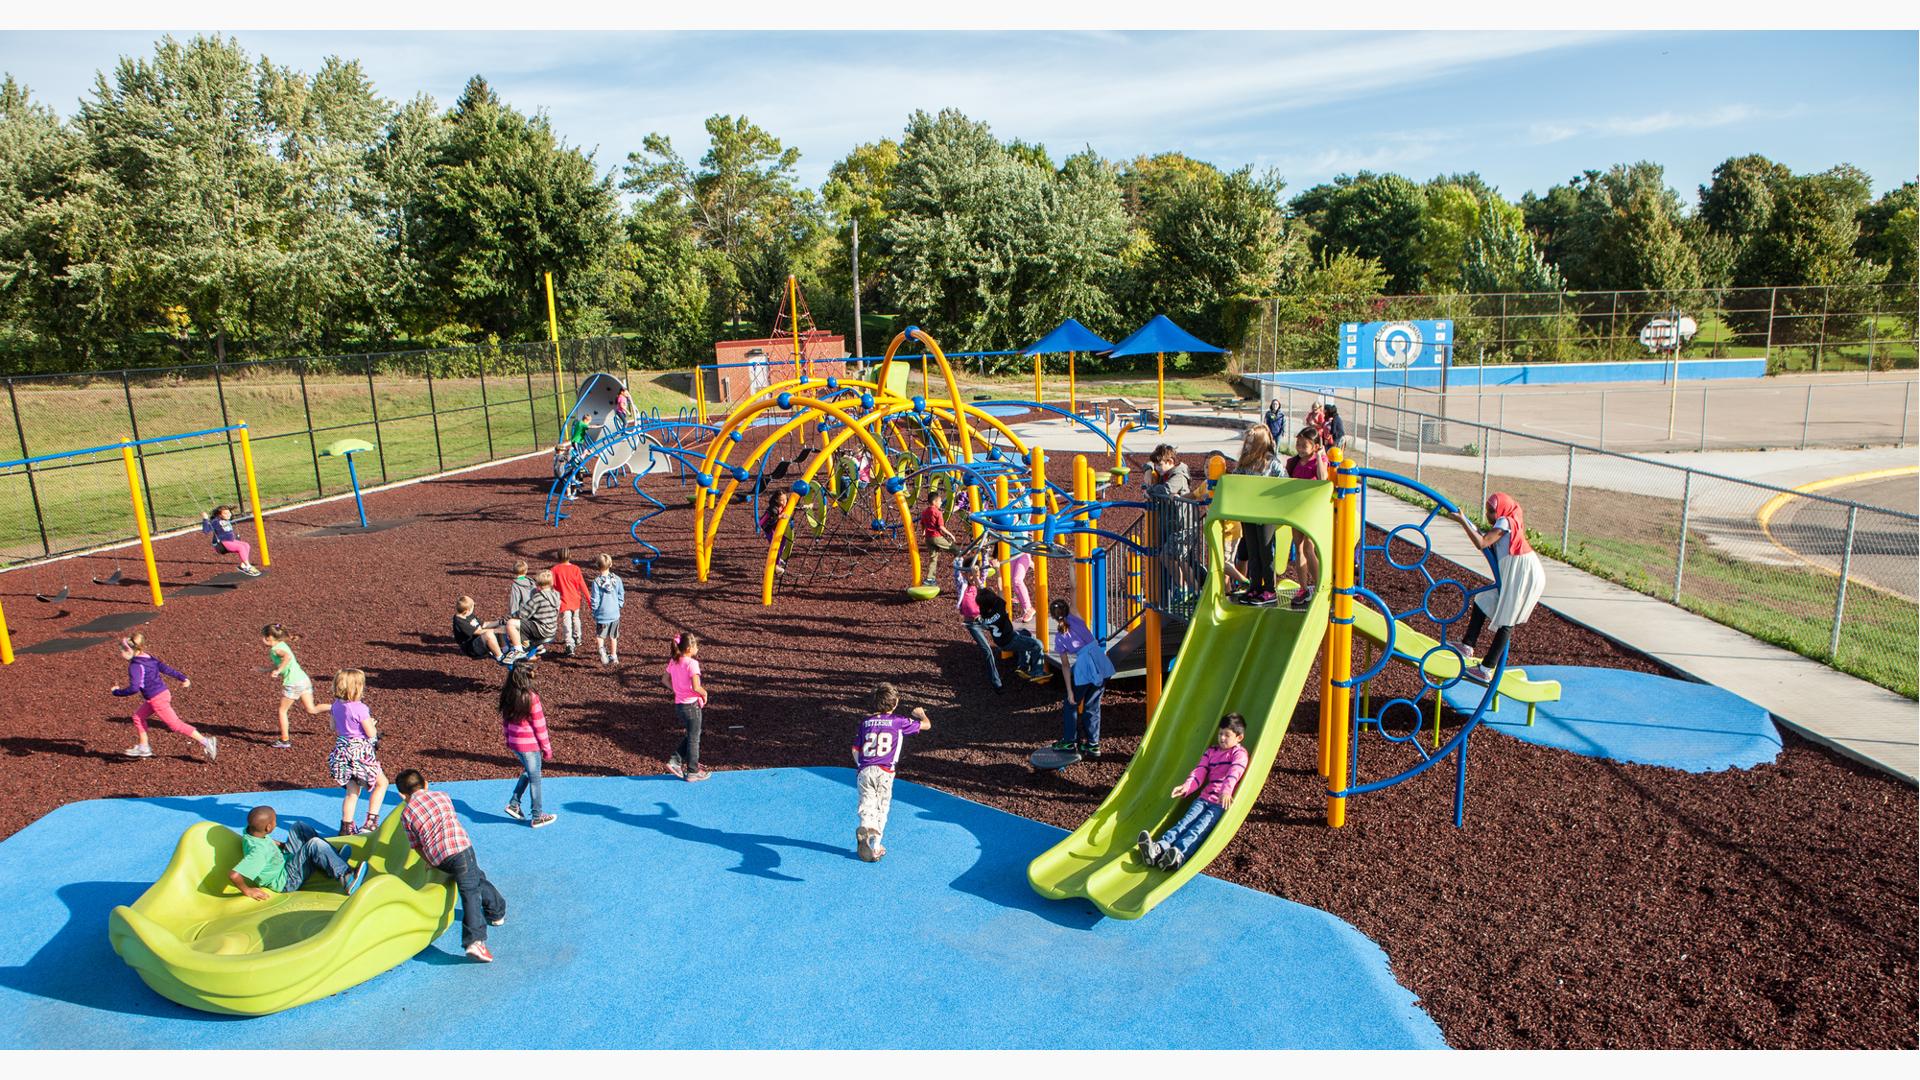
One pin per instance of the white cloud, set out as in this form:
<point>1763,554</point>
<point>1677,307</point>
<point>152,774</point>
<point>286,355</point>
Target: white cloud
<point>1653,123</point>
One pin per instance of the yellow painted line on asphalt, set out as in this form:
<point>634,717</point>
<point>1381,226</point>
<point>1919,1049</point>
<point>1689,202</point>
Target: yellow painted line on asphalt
<point>1772,506</point>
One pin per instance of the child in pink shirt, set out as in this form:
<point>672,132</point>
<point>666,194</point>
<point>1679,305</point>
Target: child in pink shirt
<point>524,725</point>
<point>689,699</point>
<point>1215,779</point>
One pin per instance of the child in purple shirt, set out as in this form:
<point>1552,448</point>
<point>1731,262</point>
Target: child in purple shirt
<point>875,753</point>
<point>1214,778</point>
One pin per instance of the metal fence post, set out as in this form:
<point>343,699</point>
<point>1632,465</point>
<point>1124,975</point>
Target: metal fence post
<point>379,441</point>
<point>139,452</point>
<point>533,416</point>
<point>1566,511</point>
<point>1806,417</point>
<point>1603,419</point>
<point>313,447</point>
<point>1419,444</point>
<point>433,409</point>
<point>1501,422</point>
<point>33,486</point>
<point>486,410</point>
<point>1686,508</point>
<point>1703,417</point>
<point>1819,350</point>
<point>1906,403</point>
<point>1485,453</point>
<point>1840,596</point>
<point>233,461</point>
<point>1773,304</point>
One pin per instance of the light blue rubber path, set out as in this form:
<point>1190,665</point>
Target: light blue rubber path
<point>1639,718</point>
<point>733,913</point>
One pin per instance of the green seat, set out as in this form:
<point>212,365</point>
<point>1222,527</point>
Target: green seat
<point>198,941</point>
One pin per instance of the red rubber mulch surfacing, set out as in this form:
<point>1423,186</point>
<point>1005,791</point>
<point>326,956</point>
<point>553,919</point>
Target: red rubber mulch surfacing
<point>1585,904</point>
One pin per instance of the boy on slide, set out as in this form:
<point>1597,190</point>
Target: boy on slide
<point>267,867</point>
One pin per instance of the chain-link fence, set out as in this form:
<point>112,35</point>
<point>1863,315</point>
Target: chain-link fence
<point>425,412</point>
<point>1829,578</point>
<point>1800,328</point>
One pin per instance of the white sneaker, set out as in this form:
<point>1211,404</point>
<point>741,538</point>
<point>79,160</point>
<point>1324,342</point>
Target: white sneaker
<point>138,751</point>
<point>211,746</point>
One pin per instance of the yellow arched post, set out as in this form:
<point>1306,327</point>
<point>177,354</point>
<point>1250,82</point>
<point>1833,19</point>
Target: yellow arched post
<point>1160,385</point>
<point>6,639</point>
<point>1000,550</point>
<point>1346,533</point>
<point>140,520</point>
<point>1038,458</point>
<point>1083,542</point>
<point>253,497</point>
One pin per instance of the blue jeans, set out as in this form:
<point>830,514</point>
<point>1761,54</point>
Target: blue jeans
<point>1083,716</point>
<point>480,902</point>
<point>529,777</point>
<point>1028,655</point>
<point>1192,827</point>
<point>983,637</point>
<point>305,850</point>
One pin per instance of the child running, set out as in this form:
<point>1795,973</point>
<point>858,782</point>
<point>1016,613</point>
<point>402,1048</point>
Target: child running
<point>1215,778</point>
<point>875,753</point>
<point>294,683</point>
<point>689,700</point>
<point>144,678</point>
<point>609,596</point>
<point>353,762</point>
<point>572,587</point>
<point>435,832</point>
<point>266,867</point>
<point>525,727</point>
<point>218,523</point>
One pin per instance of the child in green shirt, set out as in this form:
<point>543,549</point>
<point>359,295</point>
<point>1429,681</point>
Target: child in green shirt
<point>267,867</point>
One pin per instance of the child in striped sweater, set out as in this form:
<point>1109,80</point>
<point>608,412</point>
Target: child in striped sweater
<point>525,726</point>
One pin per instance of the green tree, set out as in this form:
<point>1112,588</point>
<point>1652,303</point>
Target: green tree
<point>41,305</point>
<point>1377,216</point>
<point>507,202</point>
<point>1621,229</point>
<point>1887,234</point>
<point>1215,242</point>
<point>856,190</point>
<point>1501,257</point>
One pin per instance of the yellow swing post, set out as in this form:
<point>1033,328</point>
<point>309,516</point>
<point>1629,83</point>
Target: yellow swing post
<point>140,520</point>
<point>6,639</point>
<point>1042,597</point>
<point>253,497</point>
<point>553,334</point>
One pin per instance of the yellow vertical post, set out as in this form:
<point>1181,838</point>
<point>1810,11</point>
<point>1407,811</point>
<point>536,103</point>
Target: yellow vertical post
<point>1041,596</point>
<point>1036,377</point>
<point>140,520</point>
<point>1150,588</point>
<point>1346,533</point>
<point>793,324</point>
<point>553,334</point>
<point>1160,386</point>
<point>1073,403</point>
<point>1000,551</point>
<point>6,639</point>
<point>1082,543</point>
<point>253,497</point>
<point>700,393</point>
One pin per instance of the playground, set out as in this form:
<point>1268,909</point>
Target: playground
<point>1605,876</point>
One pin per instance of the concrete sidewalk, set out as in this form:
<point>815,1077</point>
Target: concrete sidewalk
<point>1855,717</point>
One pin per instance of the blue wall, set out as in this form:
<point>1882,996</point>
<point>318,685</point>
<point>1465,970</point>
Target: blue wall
<point>1469,376</point>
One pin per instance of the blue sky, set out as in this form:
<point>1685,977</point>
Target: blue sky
<point>1525,109</point>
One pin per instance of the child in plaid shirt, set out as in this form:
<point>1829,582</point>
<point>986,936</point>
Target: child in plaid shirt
<point>435,832</point>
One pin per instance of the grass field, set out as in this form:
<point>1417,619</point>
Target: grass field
<point>422,429</point>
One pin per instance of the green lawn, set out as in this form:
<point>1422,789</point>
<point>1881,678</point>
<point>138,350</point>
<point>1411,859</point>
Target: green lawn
<point>84,501</point>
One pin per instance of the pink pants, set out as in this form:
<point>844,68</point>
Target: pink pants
<point>162,707</point>
<point>240,548</point>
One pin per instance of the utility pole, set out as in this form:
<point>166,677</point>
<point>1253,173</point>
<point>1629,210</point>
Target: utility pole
<point>859,346</point>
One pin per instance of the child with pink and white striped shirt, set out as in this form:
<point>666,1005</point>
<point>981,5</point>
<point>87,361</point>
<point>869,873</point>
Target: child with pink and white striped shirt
<point>1214,778</point>
<point>524,724</point>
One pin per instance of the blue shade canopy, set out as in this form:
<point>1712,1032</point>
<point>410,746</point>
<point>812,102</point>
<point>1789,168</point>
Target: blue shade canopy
<point>1161,335</point>
<point>1069,336</point>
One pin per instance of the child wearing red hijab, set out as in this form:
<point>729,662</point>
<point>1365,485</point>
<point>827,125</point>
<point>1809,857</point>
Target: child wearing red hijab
<point>1522,579</point>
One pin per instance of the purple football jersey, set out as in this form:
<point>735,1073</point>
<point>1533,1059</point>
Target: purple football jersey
<point>881,739</point>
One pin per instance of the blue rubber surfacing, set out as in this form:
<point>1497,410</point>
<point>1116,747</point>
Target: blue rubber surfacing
<point>729,914</point>
<point>1634,717</point>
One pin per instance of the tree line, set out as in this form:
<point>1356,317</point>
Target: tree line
<point>204,204</point>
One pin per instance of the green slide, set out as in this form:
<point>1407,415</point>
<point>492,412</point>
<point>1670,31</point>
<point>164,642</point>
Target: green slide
<point>1249,660</point>
<point>198,941</point>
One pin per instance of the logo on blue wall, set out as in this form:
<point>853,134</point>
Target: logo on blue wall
<point>1420,343</point>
